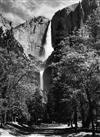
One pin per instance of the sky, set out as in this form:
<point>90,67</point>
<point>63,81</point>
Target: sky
<point>20,10</point>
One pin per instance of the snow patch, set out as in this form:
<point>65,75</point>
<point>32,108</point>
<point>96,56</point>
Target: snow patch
<point>5,133</point>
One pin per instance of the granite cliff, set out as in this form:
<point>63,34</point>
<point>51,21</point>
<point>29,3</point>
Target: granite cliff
<point>70,18</point>
<point>29,38</point>
<point>32,35</point>
<point>63,23</point>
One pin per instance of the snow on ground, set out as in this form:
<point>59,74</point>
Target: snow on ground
<point>81,134</point>
<point>43,136</point>
<point>5,133</point>
<point>59,126</point>
<point>35,135</point>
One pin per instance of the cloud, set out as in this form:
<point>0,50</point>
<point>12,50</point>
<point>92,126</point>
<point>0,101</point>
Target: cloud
<point>14,18</point>
<point>20,10</point>
<point>48,10</point>
<point>12,7</point>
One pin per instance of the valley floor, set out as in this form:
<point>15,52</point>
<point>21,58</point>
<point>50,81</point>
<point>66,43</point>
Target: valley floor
<point>13,131</point>
<point>8,133</point>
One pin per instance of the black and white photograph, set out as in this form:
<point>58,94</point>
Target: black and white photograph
<point>49,68</point>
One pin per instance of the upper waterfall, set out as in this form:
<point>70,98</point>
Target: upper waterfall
<point>48,49</point>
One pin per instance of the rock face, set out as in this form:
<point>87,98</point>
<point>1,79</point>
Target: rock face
<point>63,23</point>
<point>32,35</point>
<point>69,19</point>
<point>4,23</point>
<point>29,38</point>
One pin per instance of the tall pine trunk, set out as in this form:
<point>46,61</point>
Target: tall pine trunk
<point>82,116</point>
<point>75,118</point>
<point>90,118</point>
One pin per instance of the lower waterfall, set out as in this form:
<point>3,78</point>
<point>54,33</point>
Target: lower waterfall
<point>41,78</point>
<point>48,50</point>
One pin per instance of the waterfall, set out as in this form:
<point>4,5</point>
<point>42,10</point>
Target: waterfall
<point>48,50</point>
<point>48,45</point>
<point>41,78</point>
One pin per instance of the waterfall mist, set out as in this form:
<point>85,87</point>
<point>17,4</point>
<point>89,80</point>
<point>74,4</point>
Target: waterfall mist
<point>48,50</point>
